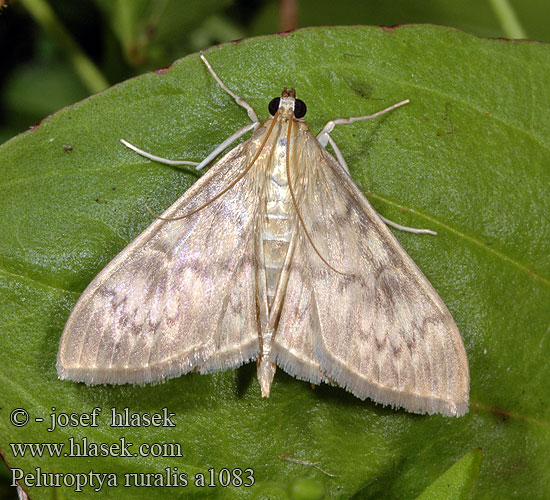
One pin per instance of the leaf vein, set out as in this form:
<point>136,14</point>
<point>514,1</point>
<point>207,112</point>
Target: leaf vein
<point>466,237</point>
<point>42,284</point>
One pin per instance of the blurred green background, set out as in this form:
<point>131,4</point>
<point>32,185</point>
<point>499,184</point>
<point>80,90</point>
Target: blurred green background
<point>59,52</point>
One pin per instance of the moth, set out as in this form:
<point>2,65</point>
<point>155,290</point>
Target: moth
<point>275,255</point>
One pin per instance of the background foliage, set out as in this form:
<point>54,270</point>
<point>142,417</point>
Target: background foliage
<point>473,165</point>
<point>128,37</point>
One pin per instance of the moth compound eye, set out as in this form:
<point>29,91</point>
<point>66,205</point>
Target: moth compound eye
<point>300,109</point>
<point>274,106</point>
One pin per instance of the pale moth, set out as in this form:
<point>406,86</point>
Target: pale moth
<point>274,255</point>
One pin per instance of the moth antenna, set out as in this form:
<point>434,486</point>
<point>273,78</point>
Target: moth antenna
<point>295,203</point>
<point>156,216</point>
<point>223,191</point>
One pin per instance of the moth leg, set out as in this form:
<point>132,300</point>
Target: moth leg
<point>406,228</point>
<point>324,138</point>
<point>156,158</point>
<point>230,140</point>
<point>338,153</point>
<point>342,162</point>
<point>239,100</point>
<point>197,165</point>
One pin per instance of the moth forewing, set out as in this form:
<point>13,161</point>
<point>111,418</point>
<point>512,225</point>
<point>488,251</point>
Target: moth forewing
<point>273,254</point>
<point>155,311</point>
<point>380,329</point>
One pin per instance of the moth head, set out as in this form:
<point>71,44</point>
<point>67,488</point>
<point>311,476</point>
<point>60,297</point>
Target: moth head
<point>288,104</point>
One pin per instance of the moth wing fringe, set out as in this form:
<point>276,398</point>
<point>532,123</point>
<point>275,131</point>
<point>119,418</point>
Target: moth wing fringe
<point>159,373</point>
<point>363,388</point>
<point>294,365</point>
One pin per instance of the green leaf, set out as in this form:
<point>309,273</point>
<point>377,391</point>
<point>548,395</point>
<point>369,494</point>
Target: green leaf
<point>457,482</point>
<point>467,157</point>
